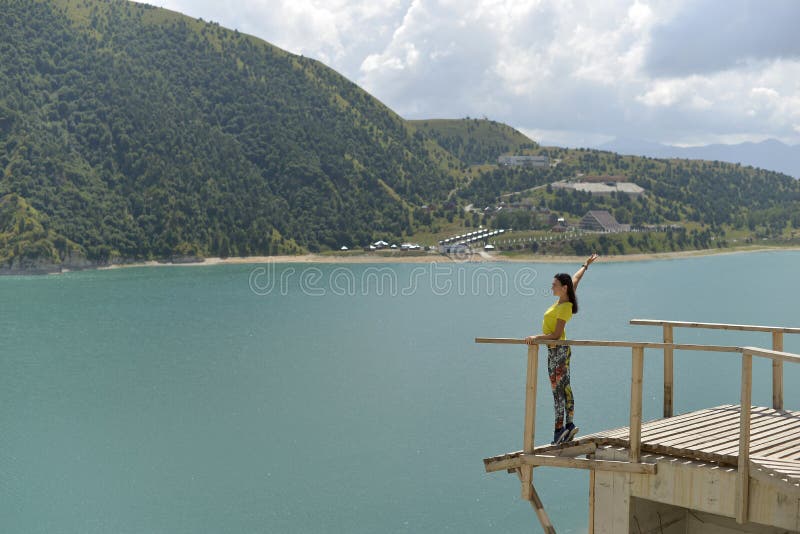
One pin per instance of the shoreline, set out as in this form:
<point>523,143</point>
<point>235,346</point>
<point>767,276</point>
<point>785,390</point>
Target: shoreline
<point>480,257</point>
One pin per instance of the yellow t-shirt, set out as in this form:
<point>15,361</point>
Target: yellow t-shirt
<point>555,312</point>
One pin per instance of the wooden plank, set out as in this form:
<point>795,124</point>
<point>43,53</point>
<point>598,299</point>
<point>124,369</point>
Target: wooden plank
<point>792,453</point>
<point>684,435</point>
<point>678,432</point>
<point>621,513</point>
<point>582,463</point>
<point>700,348</point>
<point>552,449</point>
<point>777,440</point>
<point>576,449</point>
<point>743,466</point>
<point>697,439</point>
<point>709,437</point>
<point>765,449</point>
<point>721,459</point>
<point>688,454</point>
<point>675,426</point>
<point>777,372</point>
<point>759,428</point>
<point>773,354</point>
<point>716,326</point>
<point>775,479</point>
<point>507,464</point>
<point>791,472</point>
<point>510,461</point>
<point>609,343</point>
<point>655,428</point>
<point>726,444</point>
<point>671,425</point>
<point>605,502</point>
<point>530,417</point>
<point>637,370</point>
<point>668,371</point>
<point>788,467</point>
<point>660,424</point>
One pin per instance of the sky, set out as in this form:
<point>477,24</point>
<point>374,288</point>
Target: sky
<point>565,72</point>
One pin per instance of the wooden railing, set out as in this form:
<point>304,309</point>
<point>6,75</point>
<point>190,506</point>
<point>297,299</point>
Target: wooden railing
<point>635,416</point>
<point>668,337</point>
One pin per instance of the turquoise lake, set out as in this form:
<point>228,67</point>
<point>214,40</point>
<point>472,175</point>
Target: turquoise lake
<point>297,398</point>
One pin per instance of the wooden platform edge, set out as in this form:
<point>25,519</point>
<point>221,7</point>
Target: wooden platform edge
<point>777,480</point>
<point>508,461</point>
<point>541,460</point>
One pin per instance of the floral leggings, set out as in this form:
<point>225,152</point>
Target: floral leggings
<point>558,369</point>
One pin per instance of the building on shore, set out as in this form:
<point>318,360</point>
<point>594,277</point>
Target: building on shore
<point>524,161</point>
<point>601,188</point>
<point>601,221</point>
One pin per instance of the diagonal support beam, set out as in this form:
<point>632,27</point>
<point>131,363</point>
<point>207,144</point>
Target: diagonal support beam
<point>538,507</point>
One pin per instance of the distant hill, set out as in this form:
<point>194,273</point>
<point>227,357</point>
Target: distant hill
<point>474,141</point>
<point>770,154</point>
<point>135,132</point>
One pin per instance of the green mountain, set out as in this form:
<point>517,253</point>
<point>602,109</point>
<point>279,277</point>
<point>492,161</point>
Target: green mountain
<point>136,132</point>
<point>474,141</point>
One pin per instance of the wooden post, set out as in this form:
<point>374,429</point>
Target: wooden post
<point>668,372</point>
<point>777,372</point>
<point>637,368</point>
<point>743,467</point>
<point>591,501</point>
<point>530,419</point>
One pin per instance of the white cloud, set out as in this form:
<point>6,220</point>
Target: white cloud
<point>578,69</point>
<point>764,92</point>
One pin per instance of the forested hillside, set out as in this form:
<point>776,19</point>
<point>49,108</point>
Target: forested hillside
<point>474,141</point>
<point>721,196</point>
<point>138,132</point>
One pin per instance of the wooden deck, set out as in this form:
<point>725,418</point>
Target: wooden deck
<point>709,435</point>
<point>734,461</point>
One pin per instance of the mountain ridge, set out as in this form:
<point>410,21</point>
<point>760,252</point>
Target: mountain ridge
<point>770,154</point>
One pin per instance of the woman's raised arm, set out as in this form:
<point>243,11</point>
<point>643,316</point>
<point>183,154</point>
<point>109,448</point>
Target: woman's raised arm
<point>576,278</point>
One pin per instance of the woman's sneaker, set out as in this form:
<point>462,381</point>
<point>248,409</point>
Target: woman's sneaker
<point>559,435</point>
<point>570,431</point>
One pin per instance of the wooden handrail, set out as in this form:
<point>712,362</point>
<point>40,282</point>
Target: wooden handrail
<point>777,346</point>
<point>772,354</point>
<point>716,326</point>
<point>755,351</point>
<point>610,343</point>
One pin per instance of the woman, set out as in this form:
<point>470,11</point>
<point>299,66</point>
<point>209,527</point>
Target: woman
<point>558,356</point>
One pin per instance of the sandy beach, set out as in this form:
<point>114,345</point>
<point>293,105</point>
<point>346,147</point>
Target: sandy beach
<point>481,257</point>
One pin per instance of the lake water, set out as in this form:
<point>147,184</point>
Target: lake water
<point>329,398</point>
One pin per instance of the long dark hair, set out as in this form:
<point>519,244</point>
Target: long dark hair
<point>566,280</point>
